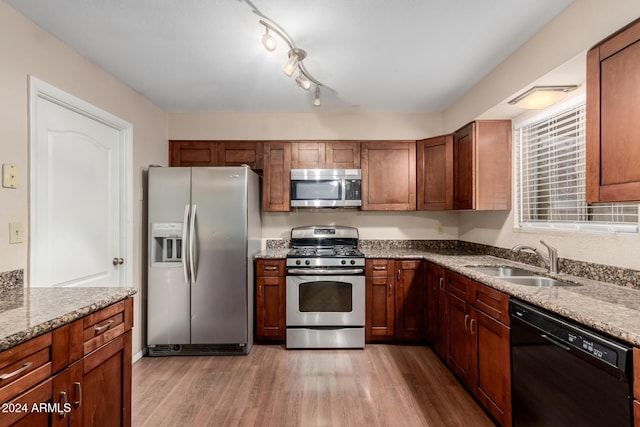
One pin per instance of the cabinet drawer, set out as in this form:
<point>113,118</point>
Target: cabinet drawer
<point>25,365</point>
<point>19,409</point>
<point>270,268</point>
<point>379,267</point>
<point>490,301</point>
<point>458,286</point>
<point>105,325</point>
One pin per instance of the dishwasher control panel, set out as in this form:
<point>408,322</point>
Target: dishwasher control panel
<point>570,336</point>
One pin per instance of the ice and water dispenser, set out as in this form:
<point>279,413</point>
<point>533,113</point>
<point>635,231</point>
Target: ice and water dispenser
<point>166,244</point>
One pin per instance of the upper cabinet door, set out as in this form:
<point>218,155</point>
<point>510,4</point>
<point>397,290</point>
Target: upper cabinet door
<point>307,155</point>
<point>238,153</point>
<point>342,155</point>
<point>435,173</point>
<point>613,109</point>
<point>193,153</point>
<point>482,166</point>
<point>388,176</point>
<point>276,177</point>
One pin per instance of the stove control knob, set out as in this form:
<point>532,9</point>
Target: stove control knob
<point>343,262</point>
<point>353,261</point>
<point>297,262</point>
<point>307,262</point>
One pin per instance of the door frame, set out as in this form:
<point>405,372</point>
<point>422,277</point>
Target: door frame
<point>41,89</point>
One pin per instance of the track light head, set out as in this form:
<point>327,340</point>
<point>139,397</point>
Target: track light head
<point>295,56</point>
<point>268,41</point>
<point>316,99</point>
<point>303,82</point>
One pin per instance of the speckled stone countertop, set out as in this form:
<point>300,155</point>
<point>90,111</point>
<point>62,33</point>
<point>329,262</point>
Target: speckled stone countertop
<point>26,313</point>
<point>608,308</point>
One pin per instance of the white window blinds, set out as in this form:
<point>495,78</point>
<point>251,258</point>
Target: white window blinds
<point>551,168</point>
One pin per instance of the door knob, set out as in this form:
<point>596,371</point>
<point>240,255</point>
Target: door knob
<point>118,261</point>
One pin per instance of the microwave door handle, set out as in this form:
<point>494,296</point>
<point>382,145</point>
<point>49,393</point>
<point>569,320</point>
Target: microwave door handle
<point>184,254</point>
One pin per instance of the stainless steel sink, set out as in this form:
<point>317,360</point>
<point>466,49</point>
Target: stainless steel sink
<point>502,271</point>
<point>539,281</point>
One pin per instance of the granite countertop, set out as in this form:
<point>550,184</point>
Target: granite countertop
<point>26,313</point>
<point>604,307</point>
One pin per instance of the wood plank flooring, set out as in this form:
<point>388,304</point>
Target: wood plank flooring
<point>382,385</point>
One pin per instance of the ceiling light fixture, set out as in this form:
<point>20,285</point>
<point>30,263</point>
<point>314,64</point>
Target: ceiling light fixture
<point>540,97</point>
<point>295,59</point>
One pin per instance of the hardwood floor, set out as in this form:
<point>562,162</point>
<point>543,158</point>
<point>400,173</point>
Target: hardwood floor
<point>382,385</point>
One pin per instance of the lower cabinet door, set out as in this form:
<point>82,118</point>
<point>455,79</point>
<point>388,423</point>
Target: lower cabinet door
<point>101,386</point>
<point>270,308</point>
<point>459,345</point>
<point>380,311</point>
<point>492,374</point>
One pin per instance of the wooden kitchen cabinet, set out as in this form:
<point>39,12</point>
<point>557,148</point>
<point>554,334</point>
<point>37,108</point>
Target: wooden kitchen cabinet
<point>410,300</point>
<point>270,299</point>
<point>636,386</point>
<point>395,303</point>
<point>325,155</point>
<point>379,299</point>
<point>88,367</point>
<point>216,153</point>
<point>478,343</point>
<point>435,306</point>
<point>193,153</point>
<point>434,157</point>
<point>482,166</point>
<point>612,140</point>
<point>388,175</point>
<point>276,186</point>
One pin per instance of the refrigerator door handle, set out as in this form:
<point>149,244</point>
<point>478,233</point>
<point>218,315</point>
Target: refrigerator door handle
<point>193,250</point>
<point>183,251</point>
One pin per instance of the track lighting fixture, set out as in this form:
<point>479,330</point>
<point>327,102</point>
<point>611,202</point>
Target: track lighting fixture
<point>295,59</point>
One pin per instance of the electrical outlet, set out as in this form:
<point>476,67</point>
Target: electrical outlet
<point>440,228</point>
<point>15,232</point>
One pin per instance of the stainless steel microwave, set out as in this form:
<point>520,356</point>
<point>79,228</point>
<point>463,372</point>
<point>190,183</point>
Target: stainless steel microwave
<point>326,188</point>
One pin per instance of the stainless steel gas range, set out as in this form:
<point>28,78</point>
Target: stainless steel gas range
<point>325,288</point>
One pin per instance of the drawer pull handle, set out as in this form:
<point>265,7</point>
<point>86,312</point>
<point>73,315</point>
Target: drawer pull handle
<point>103,327</point>
<point>63,399</point>
<point>379,267</point>
<point>270,268</point>
<point>16,372</point>
<point>78,387</point>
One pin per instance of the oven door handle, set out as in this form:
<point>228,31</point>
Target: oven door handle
<point>319,272</point>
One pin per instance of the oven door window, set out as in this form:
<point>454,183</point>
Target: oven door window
<point>316,190</point>
<point>325,297</point>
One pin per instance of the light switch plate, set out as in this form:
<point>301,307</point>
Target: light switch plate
<point>15,232</point>
<point>9,176</point>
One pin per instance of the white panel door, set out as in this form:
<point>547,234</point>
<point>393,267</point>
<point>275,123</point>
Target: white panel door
<point>76,217</point>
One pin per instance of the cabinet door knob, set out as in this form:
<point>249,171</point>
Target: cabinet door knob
<point>117,261</point>
<point>466,322</point>
<point>390,288</point>
<point>63,400</point>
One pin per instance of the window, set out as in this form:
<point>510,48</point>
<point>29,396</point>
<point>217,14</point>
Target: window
<point>551,166</point>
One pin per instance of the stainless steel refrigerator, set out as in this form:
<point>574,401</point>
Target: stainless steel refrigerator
<point>204,229</point>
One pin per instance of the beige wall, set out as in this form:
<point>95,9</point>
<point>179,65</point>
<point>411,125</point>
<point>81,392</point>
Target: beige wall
<point>26,50</point>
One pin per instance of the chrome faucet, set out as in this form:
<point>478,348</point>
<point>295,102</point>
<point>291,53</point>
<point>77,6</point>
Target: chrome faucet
<point>550,260</point>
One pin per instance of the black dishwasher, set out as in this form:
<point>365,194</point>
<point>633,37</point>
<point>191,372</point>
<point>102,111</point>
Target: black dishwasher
<point>565,375</point>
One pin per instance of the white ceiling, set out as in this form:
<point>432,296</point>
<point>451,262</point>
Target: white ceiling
<point>370,55</point>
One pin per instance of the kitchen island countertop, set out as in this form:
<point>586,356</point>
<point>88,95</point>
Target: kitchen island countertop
<point>604,307</point>
<point>26,313</point>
